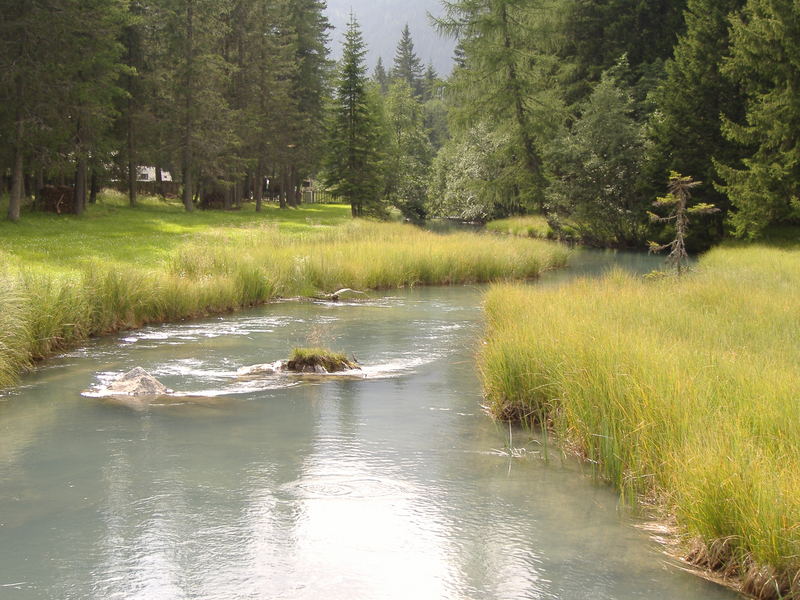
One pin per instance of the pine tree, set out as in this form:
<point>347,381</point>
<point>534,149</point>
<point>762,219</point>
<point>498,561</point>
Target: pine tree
<point>431,84</point>
<point>410,153</point>
<point>200,117</point>
<point>407,65</point>
<point>508,82</point>
<point>765,62</point>
<point>27,60</point>
<point>600,32</point>
<point>353,166</point>
<point>93,63</point>
<point>596,165</point>
<point>264,45</point>
<point>677,201</point>
<point>309,89</point>
<point>380,77</point>
<point>686,129</point>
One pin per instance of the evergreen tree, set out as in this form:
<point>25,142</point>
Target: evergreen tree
<point>409,154</point>
<point>407,65</point>
<point>310,89</point>
<point>265,46</point>
<point>600,32</point>
<point>597,166</point>
<point>431,84</point>
<point>353,166</point>
<point>27,62</point>
<point>686,129</point>
<point>380,77</point>
<point>765,62</point>
<point>92,60</point>
<point>508,82</point>
<point>200,117</point>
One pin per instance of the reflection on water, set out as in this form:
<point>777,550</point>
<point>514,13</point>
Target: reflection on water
<point>384,487</point>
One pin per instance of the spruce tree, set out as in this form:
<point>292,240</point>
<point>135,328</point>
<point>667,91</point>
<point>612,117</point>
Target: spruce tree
<point>410,153</point>
<point>765,62</point>
<point>596,165</point>
<point>309,89</point>
<point>407,65</point>
<point>28,59</point>
<point>508,83</point>
<point>600,32</point>
<point>686,130</point>
<point>431,84</point>
<point>380,77</point>
<point>353,165</point>
<point>197,74</point>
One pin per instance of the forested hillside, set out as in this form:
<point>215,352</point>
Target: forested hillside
<point>576,111</point>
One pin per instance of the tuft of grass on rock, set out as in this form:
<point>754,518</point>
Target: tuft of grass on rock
<point>303,359</point>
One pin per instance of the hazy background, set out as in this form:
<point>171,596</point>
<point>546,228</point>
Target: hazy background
<point>381,22</point>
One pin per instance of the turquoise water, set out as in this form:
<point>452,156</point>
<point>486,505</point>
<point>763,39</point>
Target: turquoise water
<point>391,486</point>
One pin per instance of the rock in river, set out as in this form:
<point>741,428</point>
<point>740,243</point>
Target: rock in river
<point>138,382</point>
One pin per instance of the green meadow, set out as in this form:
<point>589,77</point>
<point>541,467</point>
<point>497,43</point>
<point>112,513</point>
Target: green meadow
<point>683,392</point>
<point>64,279</point>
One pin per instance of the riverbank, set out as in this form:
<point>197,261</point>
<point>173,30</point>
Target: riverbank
<point>65,279</point>
<point>683,392</point>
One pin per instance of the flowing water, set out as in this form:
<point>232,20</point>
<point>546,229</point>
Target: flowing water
<point>394,485</point>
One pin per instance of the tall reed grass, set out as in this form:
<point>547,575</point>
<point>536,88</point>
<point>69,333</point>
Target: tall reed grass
<point>685,391</point>
<point>534,226</point>
<point>46,306</point>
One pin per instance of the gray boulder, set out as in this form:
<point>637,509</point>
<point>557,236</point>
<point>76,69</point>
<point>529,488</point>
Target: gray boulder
<point>138,382</point>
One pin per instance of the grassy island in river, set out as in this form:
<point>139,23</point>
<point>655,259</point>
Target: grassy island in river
<point>684,391</point>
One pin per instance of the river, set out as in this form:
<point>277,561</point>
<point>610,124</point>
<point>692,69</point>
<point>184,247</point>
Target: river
<point>395,486</point>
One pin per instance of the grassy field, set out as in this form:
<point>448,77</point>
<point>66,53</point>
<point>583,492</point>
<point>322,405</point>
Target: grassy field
<point>533,226</point>
<point>685,392</point>
<point>64,279</point>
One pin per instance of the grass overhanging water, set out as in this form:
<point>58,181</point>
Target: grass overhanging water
<point>64,279</point>
<point>683,391</point>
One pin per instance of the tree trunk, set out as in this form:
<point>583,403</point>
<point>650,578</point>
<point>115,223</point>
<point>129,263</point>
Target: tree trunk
<point>187,183</point>
<point>131,173</point>
<point>284,187</point>
<point>230,192</point>
<point>80,169</point>
<point>80,185</point>
<point>188,124</point>
<point>93,187</point>
<point>159,182</point>
<point>259,184</point>
<point>17,174</point>
<point>297,190</point>
<point>39,185</point>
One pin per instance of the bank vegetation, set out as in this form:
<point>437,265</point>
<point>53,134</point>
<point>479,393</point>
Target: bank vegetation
<point>64,280</point>
<point>682,391</point>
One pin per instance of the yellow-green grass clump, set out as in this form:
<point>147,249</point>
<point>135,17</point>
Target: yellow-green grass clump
<point>64,279</point>
<point>533,226</point>
<point>303,358</point>
<point>684,390</point>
